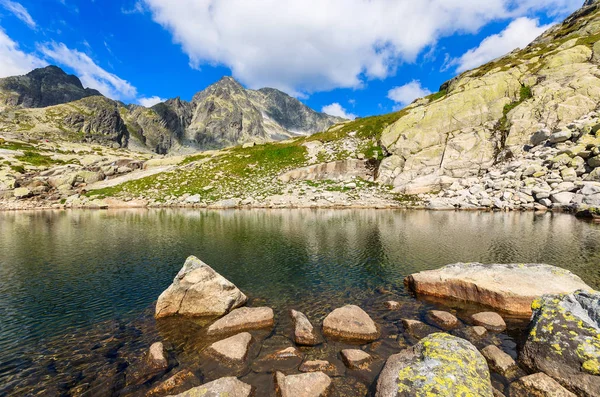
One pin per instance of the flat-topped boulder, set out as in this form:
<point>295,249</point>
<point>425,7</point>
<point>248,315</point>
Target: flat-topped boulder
<point>442,319</point>
<point>489,320</point>
<point>508,288</point>
<point>199,291</point>
<point>564,341</point>
<point>356,359</point>
<point>439,365</point>
<point>310,384</point>
<point>350,323</point>
<point>232,350</point>
<point>243,319</point>
<point>304,332</point>
<point>230,387</point>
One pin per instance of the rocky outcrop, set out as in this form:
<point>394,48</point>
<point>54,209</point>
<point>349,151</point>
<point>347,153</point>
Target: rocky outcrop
<point>311,384</point>
<point>350,323</point>
<point>564,341</point>
<point>336,170</point>
<point>243,319</point>
<point>41,88</point>
<point>507,288</point>
<point>439,365</point>
<point>230,387</point>
<point>198,291</point>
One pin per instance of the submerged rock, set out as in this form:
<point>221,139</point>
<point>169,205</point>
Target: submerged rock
<point>538,385</point>
<point>232,350</point>
<point>198,290</point>
<point>230,387</point>
<point>311,384</point>
<point>439,365</point>
<point>507,288</point>
<point>564,341</point>
<point>304,332</point>
<point>350,323</point>
<point>177,383</point>
<point>243,319</point>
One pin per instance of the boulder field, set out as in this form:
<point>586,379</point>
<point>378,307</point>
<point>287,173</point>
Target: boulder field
<point>448,354</point>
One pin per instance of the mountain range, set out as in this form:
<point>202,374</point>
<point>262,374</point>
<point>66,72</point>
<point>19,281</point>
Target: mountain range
<point>48,103</point>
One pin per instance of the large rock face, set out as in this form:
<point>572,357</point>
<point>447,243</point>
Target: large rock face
<point>564,341</point>
<point>439,365</point>
<point>468,127</point>
<point>198,291</point>
<point>507,288</point>
<point>41,88</point>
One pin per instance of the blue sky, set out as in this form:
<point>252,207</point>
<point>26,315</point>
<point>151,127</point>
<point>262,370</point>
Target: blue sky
<point>348,57</point>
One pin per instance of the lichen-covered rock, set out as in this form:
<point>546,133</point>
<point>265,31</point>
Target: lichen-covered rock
<point>230,387</point>
<point>243,319</point>
<point>564,341</point>
<point>439,365</point>
<point>506,288</point>
<point>198,291</point>
<point>351,323</point>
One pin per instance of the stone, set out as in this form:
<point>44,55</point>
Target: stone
<point>350,323</point>
<point>594,162</point>
<point>304,332</point>
<point>21,192</point>
<point>444,320</point>
<point>311,384</point>
<point>243,319</point>
<point>489,320</point>
<point>439,365</point>
<point>417,328</point>
<point>233,350</point>
<point>157,357</point>
<point>230,387</point>
<point>393,305</point>
<point>316,366</point>
<point>546,202</point>
<point>560,136</point>
<point>198,291</point>
<point>507,288</point>
<point>356,359</point>
<point>564,341</point>
<point>284,354</point>
<point>538,385</point>
<point>563,198</point>
<point>500,362</point>
<point>153,363</point>
<point>540,137</point>
<point>177,383</point>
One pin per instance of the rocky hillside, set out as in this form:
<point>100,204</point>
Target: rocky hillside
<point>48,103</point>
<point>42,87</point>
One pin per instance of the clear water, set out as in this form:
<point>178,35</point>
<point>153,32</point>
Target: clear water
<point>77,277</point>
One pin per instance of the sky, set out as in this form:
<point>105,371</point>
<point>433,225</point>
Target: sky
<point>348,58</point>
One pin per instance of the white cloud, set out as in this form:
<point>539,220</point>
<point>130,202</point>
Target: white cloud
<point>149,102</point>
<point>89,72</point>
<point>19,11</point>
<point>335,109</point>
<point>518,34</point>
<point>303,46</point>
<point>13,61</point>
<point>407,93</point>
<point>137,8</point>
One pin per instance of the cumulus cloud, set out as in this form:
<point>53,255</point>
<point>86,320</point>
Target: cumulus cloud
<point>19,11</point>
<point>149,102</point>
<point>89,72</point>
<point>335,109</point>
<point>407,93</point>
<point>13,61</point>
<point>518,34</point>
<point>303,46</point>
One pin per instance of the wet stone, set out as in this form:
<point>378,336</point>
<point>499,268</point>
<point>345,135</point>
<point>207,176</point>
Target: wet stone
<point>418,329</point>
<point>538,385</point>
<point>500,362</point>
<point>356,359</point>
<point>304,332</point>
<point>233,350</point>
<point>178,383</point>
<point>350,323</point>
<point>230,387</point>
<point>444,320</point>
<point>243,319</point>
<point>311,384</point>
<point>489,320</point>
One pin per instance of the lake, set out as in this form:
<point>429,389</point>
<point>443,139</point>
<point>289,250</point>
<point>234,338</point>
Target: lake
<point>74,282</point>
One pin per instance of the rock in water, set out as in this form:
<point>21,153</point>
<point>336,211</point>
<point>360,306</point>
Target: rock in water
<point>490,321</point>
<point>230,387</point>
<point>233,350</point>
<point>356,359</point>
<point>312,384</point>
<point>564,341</point>
<point>439,365</point>
<point>304,332</point>
<point>507,288</point>
<point>243,319</point>
<point>198,291</point>
<point>538,385</point>
<point>351,323</point>
<point>444,320</point>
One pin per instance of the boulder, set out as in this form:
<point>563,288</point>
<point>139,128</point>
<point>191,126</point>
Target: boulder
<point>198,291</point>
<point>507,288</point>
<point>177,383</point>
<point>311,384</point>
<point>500,362</point>
<point>230,387</point>
<point>304,332</point>
<point>490,321</point>
<point>442,319</point>
<point>564,341</point>
<point>233,350</point>
<point>356,359</point>
<point>540,137</point>
<point>439,365</point>
<point>538,385</point>
<point>351,323</point>
<point>563,198</point>
<point>243,319</point>
<point>560,136</point>
<point>22,192</point>
<point>153,363</point>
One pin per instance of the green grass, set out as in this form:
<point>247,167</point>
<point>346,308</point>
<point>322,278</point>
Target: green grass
<point>18,168</point>
<point>37,159</point>
<point>438,95</point>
